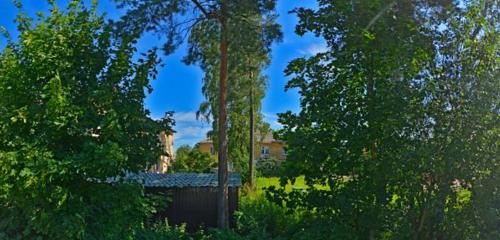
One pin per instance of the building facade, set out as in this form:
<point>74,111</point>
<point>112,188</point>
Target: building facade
<point>266,147</point>
<point>166,160</point>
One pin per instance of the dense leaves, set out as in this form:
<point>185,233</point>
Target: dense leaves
<point>72,115</point>
<point>397,136</point>
<point>189,159</point>
<point>269,167</point>
<point>399,118</point>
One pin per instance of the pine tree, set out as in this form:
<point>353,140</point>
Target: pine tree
<point>221,23</point>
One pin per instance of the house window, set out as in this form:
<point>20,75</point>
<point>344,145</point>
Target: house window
<point>212,150</point>
<point>264,151</point>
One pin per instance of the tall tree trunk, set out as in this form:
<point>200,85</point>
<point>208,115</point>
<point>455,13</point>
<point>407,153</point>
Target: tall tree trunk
<point>222,193</point>
<point>252,138</point>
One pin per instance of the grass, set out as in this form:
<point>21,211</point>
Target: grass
<point>265,182</point>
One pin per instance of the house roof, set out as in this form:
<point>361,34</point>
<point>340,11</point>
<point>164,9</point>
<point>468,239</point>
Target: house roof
<point>268,138</point>
<point>183,180</point>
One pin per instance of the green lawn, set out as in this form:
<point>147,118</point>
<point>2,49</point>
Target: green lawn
<point>264,182</point>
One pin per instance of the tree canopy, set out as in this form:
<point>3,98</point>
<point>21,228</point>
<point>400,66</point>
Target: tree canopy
<point>71,116</point>
<point>249,55</point>
<point>188,159</point>
<point>397,137</point>
<point>399,118</point>
<point>219,42</point>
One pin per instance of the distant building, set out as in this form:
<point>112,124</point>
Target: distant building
<point>206,146</point>
<point>166,160</point>
<point>265,147</point>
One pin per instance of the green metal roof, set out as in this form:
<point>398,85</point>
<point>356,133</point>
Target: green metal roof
<point>183,180</point>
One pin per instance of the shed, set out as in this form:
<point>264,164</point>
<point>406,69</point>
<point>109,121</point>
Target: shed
<point>193,196</point>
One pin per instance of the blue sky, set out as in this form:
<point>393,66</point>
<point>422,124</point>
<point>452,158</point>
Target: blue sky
<point>178,87</point>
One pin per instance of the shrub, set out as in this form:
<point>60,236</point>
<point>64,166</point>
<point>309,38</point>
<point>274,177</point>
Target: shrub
<point>269,167</point>
<point>218,234</point>
<point>189,159</point>
<point>259,218</point>
<point>162,230</point>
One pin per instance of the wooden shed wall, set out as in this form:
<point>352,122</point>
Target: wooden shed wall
<point>197,206</point>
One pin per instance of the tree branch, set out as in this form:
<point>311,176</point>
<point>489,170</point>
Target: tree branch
<point>202,9</point>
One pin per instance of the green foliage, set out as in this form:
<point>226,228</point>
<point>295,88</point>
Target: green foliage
<point>256,219</point>
<point>261,219</point>
<point>248,57</point>
<point>251,29</point>
<point>162,230</point>
<point>189,159</point>
<point>399,117</point>
<point>269,167</point>
<point>72,115</point>
<point>221,234</point>
<point>158,201</point>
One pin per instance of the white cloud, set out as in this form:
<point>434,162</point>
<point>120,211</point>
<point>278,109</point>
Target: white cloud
<point>185,132</point>
<point>157,116</point>
<point>185,117</point>
<point>188,129</point>
<point>314,49</point>
<point>178,116</point>
<point>272,119</point>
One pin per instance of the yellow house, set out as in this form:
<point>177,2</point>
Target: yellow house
<point>165,161</point>
<point>265,147</point>
<point>206,146</point>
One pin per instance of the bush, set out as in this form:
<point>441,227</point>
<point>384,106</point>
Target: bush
<point>269,167</point>
<point>189,159</point>
<point>162,230</point>
<point>259,218</point>
<point>217,234</point>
